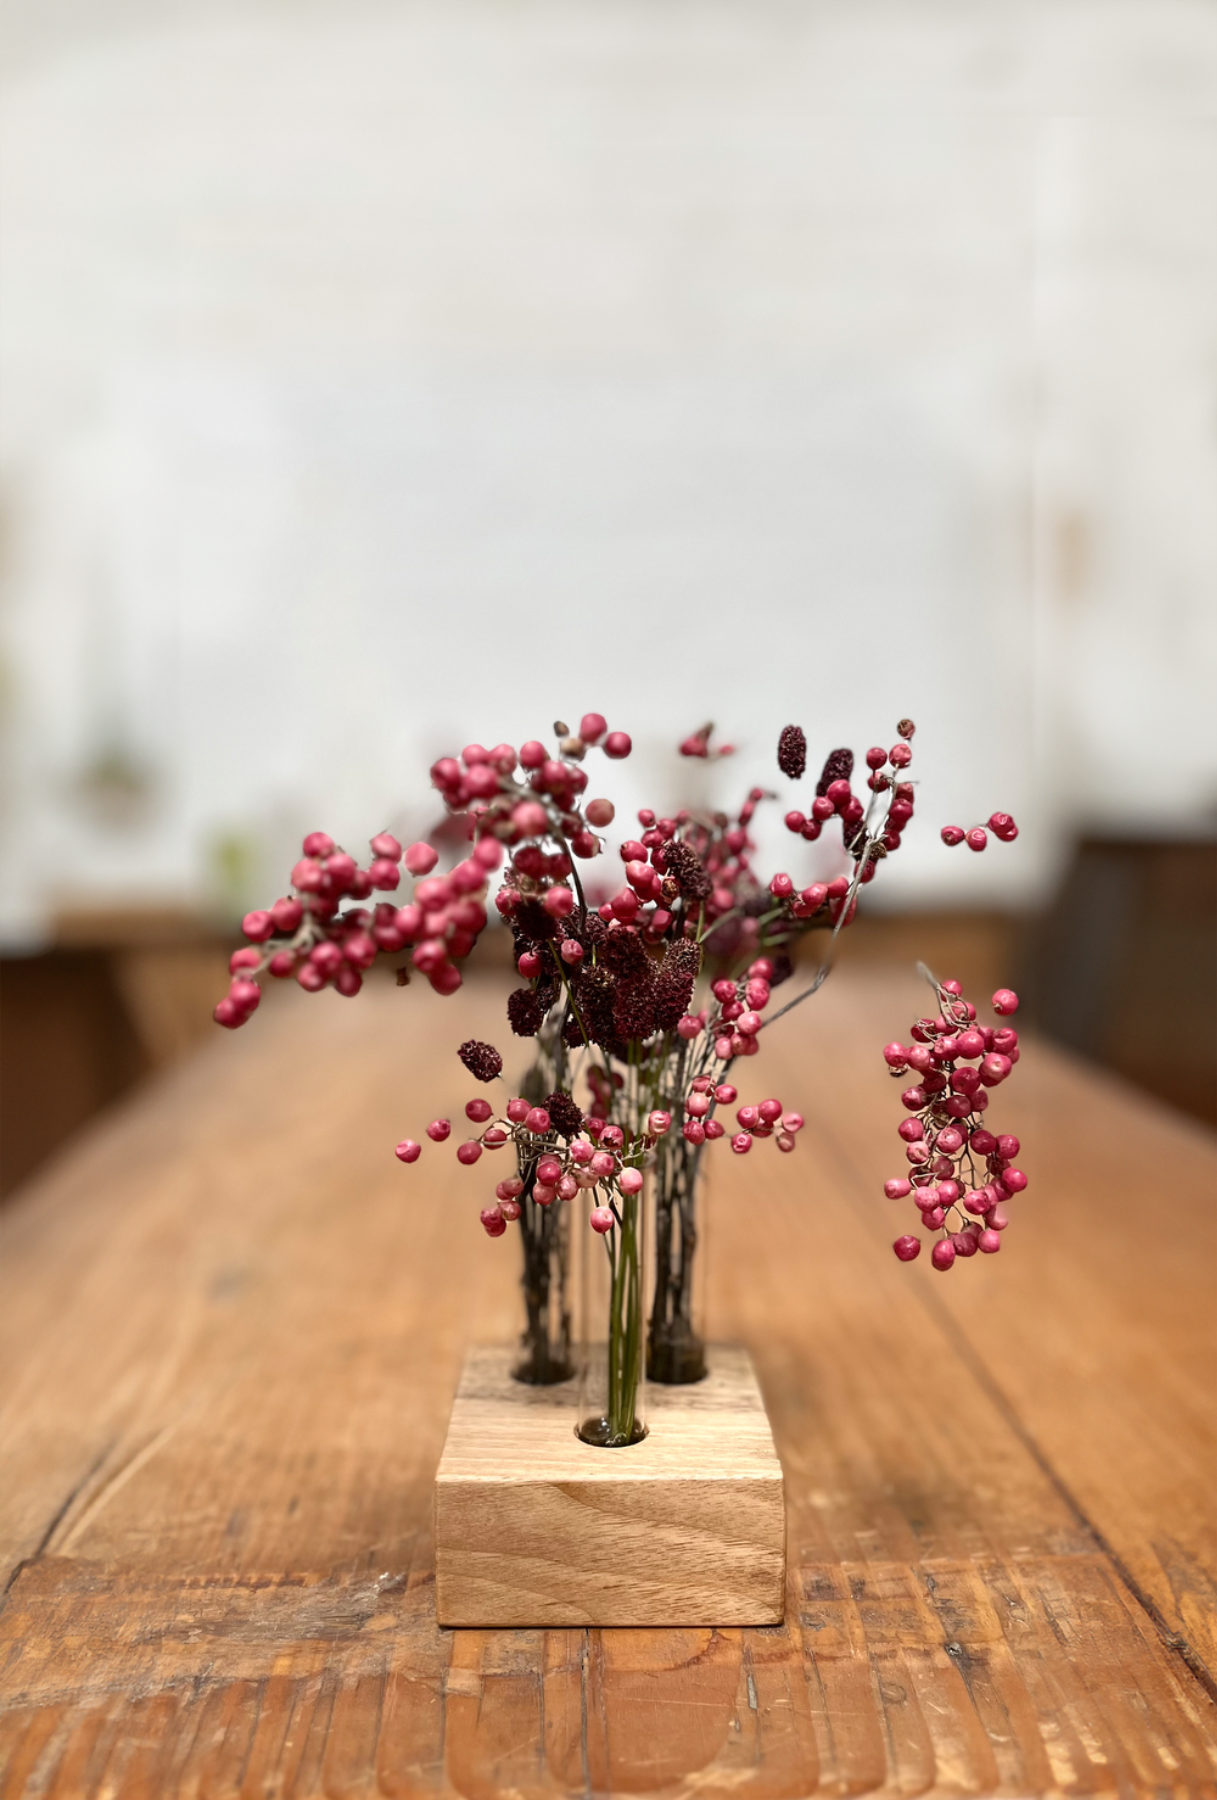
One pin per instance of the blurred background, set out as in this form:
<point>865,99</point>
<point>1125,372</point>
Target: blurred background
<point>386,374</point>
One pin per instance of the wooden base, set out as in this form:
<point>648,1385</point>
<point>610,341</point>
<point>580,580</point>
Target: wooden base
<point>534,1527</point>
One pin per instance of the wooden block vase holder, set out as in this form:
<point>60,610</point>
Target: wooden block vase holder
<point>534,1527</point>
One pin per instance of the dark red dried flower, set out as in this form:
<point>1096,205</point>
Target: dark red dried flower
<point>532,919</point>
<point>792,752</point>
<point>839,767</point>
<point>525,1012</point>
<point>688,871</point>
<point>623,952</point>
<point>482,1060</point>
<point>594,991</point>
<point>674,983</point>
<point>565,1114</point>
<point>634,1007</point>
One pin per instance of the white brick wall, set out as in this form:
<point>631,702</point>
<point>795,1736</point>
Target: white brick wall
<point>380,375</point>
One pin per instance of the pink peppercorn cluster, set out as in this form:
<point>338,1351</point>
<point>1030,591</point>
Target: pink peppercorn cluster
<point>960,1173</point>
<point>308,936</point>
<point>594,1155</point>
<point>511,795</point>
<point>768,1118</point>
<point>1000,824</point>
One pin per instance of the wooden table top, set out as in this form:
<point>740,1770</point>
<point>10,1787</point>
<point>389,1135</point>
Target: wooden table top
<point>233,1326</point>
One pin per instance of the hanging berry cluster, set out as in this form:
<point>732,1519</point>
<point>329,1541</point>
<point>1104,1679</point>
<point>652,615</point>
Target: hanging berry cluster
<point>960,1173</point>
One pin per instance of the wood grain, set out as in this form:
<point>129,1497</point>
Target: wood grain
<point>232,1326</point>
<point>535,1527</point>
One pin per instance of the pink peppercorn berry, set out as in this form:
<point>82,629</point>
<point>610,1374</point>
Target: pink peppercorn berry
<point>438,1130</point>
<point>408,1151</point>
<point>907,1248</point>
<point>1005,1001</point>
<point>601,1219</point>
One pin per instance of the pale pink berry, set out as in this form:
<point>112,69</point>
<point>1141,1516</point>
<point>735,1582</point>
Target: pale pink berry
<point>741,1143</point>
<point>630,1181</point>
<point>568,1187</point>
<point>537,1120</point>
<point>988,1241</point>
<point>688,1027</point>
<point>977,838</point>
<point>318,843</point>
<point>785,1141</point>
<point>493,1220</point>
<point>897,1187</point>
<point>479,1111</point>
<point>952,834</point>
<point>438,1130</point>
<point>287,915</point>
<point>600,812</point>
<point>943,1254</point>
<point>770,1111</point>
<point>510,1209</point>
<point>601,1219</point>
<point>1005,1001</point>
<point>658,1123</point>
<point>693,1131</point>
<point>408,1151</point>
<point>618,744</point>
<point>725,1094</point>
<point>603,1163</point>
<point>559,902</point>
<point>421,859</point>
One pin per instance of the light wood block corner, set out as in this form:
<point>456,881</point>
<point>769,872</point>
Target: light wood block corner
<point>534,1527</point>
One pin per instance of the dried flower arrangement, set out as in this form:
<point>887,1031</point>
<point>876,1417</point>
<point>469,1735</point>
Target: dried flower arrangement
<point>638,1007</point>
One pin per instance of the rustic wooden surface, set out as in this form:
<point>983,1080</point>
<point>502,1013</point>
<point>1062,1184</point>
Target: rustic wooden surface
<point>232,1327</point>
<point>534,1527</point>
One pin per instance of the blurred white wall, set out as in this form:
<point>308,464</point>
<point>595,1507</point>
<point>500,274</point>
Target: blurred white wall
<point>380,375</point>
